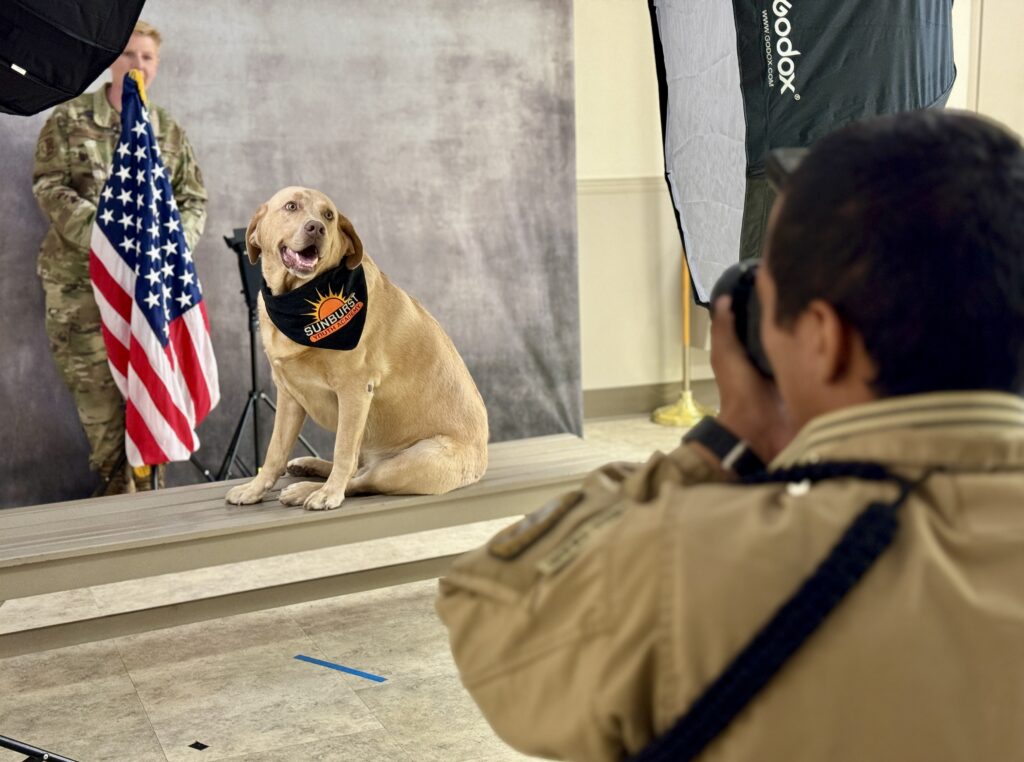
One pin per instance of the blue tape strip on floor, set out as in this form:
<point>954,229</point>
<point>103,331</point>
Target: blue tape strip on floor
<point>349,670</point>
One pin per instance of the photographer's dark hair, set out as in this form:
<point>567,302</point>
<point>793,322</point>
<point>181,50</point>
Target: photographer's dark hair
<point>912,227</point>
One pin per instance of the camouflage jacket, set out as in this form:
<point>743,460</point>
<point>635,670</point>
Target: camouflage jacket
<point>73,158</point>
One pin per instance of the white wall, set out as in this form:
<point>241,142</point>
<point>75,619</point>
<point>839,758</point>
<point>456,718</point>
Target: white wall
<point>999,88</point>
<point>629,248</point>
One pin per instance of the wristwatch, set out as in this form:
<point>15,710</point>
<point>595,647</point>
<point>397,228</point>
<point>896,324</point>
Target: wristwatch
<point>735,454</point>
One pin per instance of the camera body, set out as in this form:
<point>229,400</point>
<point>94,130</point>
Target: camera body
<point>738,283</point>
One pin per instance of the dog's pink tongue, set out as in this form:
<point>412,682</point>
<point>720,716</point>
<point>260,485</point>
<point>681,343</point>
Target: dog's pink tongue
<point>297,260</point>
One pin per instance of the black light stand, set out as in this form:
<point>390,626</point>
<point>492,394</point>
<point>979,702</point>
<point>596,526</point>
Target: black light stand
<point>34,754</point>
<point>251,281</point>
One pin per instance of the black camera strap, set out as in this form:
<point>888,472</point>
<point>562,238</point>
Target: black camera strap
<point>860,545</point>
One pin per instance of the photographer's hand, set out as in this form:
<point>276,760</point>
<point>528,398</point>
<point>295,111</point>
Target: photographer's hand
<point>751,407</point>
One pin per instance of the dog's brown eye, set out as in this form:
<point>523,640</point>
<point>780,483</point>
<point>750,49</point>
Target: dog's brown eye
<point>328,215</point>
<point>291,206</point>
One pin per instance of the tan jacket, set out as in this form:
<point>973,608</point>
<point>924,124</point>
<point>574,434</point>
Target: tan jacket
<point>584,635</point>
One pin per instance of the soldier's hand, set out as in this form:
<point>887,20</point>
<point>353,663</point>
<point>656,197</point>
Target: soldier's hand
<point>751,407</point>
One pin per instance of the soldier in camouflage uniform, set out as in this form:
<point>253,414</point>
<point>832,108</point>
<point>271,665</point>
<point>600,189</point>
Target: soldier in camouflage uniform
<point>73,159</point>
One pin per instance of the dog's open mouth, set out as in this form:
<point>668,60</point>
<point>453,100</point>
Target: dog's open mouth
<point>303,261</point>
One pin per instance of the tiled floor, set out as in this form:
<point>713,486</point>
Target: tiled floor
<point>234,683</point>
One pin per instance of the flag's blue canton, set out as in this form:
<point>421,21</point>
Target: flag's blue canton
<point>139,216</point>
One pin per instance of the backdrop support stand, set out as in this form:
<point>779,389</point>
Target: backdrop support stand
<point>34,754</point>
<point>686,411</point>
<point>251,279</point>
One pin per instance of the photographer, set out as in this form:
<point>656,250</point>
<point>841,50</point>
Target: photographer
<point>892,290</point>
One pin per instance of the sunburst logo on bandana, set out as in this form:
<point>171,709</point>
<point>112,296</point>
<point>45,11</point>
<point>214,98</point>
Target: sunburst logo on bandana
<point>332,313</point>
<point>328,312</point>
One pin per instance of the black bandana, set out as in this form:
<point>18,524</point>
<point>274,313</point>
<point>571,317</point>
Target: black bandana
<point>329,312</point>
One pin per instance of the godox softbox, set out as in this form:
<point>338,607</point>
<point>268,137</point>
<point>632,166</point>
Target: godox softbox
<point>51,50</point>
<point>737,79</point>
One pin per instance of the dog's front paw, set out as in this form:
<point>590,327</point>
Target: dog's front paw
<point>296,494</point>
<point>247,494</point>
<point>310,467</point>
<point>324,499</point>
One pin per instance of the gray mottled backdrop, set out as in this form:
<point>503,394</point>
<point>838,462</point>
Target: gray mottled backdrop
<point>443,129</point>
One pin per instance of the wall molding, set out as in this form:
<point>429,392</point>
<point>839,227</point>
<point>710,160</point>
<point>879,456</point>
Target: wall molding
<point>641,400</point>
<point>588,186</point>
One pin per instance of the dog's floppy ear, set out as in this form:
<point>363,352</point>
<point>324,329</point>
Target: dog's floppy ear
<point>252,246</point>
<point>355,257</point>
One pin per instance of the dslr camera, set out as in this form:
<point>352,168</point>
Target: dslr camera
<point>738,283</point>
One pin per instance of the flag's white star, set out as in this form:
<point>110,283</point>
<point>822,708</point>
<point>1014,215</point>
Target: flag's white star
<point>167,292</point>
<point>173,225</point>
<point>140,153</point>
<point>137,267</point>
<point>107,217</point>
<point>168,270</point>
<point>138,224</point>
<point>124,173</point>
<point>154,208</point>
<point>153,276</point>
<point>127,244</point>
<point>167,331</point>
<point>154,253</point>
<point>122,150</point>
<point>158,192</point>
<point>124,196</point>
<point>173,202</point>
<point>185,300</point>
<point>158,171</point>
<point>140,176</point>
<point>154,229</point>
<point>170,247</point>
<point>152,300</point>
<point>139,198</point>
<point>139,129</point>
<point>107,193</point>
<point>126,220</point>
<point>186,278</point>
<point>187,256</point>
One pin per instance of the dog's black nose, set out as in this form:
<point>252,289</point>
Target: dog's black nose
<point>315,227</point>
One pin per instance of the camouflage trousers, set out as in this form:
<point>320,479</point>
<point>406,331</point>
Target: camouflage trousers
<point>73,326</point>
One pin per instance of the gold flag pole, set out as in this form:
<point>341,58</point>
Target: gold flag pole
<point>686,411</point>
<point>137,76</point>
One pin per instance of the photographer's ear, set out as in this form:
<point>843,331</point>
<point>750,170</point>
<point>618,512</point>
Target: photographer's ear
<point>252,246</point>
<point>828,340</point>
<point>354,257</point>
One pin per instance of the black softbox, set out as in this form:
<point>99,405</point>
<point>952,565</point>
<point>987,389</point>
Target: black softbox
<point>738,79</point>
<point>51,50</point>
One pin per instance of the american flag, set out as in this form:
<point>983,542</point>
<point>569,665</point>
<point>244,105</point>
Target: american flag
<point>155,325</point>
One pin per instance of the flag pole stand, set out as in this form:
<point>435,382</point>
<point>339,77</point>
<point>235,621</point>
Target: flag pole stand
<point>686,411</point>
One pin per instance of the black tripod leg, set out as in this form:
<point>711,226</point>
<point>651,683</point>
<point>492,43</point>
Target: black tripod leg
<point>121,461</point>
<point>207,474</point>
<point>250,408</point>
<point>302,440</point>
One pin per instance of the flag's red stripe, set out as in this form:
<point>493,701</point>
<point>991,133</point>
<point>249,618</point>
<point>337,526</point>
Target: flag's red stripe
<point>191,367</point>
<point>113,291</point>
<point>116,351</point>
<point>140,363</point>
<point>137,429</point>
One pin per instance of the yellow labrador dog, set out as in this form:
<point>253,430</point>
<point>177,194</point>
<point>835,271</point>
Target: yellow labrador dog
<point>360,357</point>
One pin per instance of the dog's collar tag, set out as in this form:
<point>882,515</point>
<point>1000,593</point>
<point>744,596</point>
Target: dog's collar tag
<point>329,312</point>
